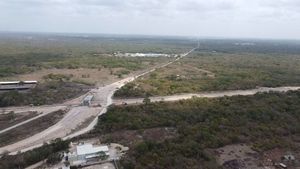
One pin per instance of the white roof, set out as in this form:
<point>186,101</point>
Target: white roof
<point>88,97</point>
<point>14,82</point>
<point>89,149</point>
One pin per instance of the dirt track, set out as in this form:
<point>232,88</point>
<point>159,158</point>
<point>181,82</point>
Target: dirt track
<point>76,116</point>
<point>103,96</point>
<point>213,94</point>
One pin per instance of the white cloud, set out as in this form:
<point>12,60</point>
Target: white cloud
<point>234,18</point>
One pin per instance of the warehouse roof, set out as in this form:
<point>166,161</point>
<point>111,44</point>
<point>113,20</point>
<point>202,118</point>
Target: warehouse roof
<point>86,149</point>
<point>16,82</point>
<point>88,98</point>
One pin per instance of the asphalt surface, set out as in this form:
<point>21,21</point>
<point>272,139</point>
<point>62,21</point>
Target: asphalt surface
<point>43,112</point>
<point>76,116</point>
<point>103,96</point>
<point>213,94</point>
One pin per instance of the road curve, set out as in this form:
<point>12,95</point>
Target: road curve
<point>41,110</point>
<point>77,115</point>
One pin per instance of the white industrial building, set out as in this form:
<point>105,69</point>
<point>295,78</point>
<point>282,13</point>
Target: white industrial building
<point>86,152</point>
<point>17,85</point>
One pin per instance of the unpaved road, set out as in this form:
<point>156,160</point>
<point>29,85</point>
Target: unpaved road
<point>214,94</point>
<point>103,96</point>
<point>77,115</point>
<point>43,112</point>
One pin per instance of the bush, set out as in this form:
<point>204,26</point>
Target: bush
<point>31,157</point>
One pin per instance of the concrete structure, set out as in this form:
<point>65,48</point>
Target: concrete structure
<point>87,101</point>
<point>86,152</point>
<point>17,85</point>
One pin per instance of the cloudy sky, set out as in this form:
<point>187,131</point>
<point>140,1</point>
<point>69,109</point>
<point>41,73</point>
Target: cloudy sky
<point>205,18</point>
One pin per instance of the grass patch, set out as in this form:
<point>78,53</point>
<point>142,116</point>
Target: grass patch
<point>23,160</point>
<point>217,71</point>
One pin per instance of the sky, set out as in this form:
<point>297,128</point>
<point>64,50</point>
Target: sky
<point>276,19</point>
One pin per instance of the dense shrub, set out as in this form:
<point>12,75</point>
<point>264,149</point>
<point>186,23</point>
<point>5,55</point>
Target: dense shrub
<point>265,121</point>
<point>23,160</point>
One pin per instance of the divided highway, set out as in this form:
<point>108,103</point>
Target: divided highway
<point>66,128</point>
<point>77,115</point>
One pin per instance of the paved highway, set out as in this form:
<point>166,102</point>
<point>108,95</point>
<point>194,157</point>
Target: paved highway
<point>103,95</point>
<point>77,115</point>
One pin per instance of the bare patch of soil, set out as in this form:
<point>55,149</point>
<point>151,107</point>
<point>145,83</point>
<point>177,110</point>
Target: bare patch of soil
<point>183,71</point>
<point>273,158</point>
<point>32,128</point>
<point>83,124</point>
<point>10,119</point>
<point>237,156</point>
<point>131,137</point>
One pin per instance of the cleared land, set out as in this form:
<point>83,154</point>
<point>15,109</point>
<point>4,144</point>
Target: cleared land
<point>31,128</point>
<point>11,118</point>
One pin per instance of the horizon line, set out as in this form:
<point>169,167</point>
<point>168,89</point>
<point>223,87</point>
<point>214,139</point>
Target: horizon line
<point>195,37</point>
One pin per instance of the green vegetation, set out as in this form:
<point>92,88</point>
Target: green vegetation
<point>13,64</point>
<point>203,71</point>
<point>48,93</point>
<point>54,158</point>
<point>29,129</point>
<point>24,53</point>
<point>57,77</point>
<point>27,53</point>
<point>120,73</point>
<point>23,160</point>
<point>265,121</point>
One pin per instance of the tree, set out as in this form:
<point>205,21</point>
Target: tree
<point>147,100</point>
<point>11,115</point>
<point>54,158</point>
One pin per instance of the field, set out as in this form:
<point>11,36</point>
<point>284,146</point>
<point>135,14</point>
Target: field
<point>11,118</point>
<point>23,53</point>
<point>193,134</point>
<point>185,134</point>
<point>46,93</point>
<point>29,129</point>
<point>76,62</point>
<point>222,68</point>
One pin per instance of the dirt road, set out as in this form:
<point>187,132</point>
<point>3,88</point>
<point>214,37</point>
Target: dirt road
<point>103,96</point>
<point>213,94</point>
<point>77,115</point>
<point>43,111</point>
